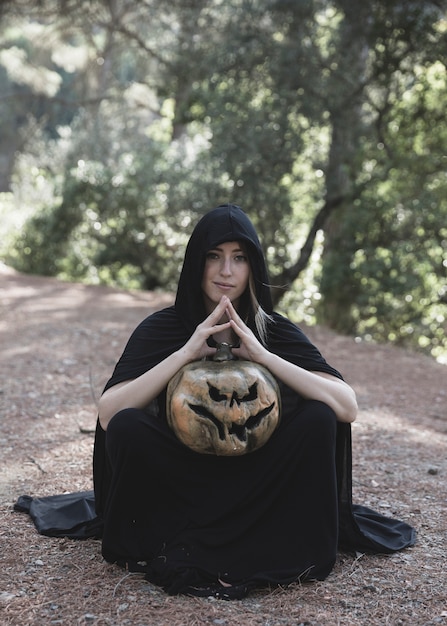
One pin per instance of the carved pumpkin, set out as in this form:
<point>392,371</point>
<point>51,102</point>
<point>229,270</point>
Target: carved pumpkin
<point>224,406</point>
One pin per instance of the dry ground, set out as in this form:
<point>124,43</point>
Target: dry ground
<point>59,343</point>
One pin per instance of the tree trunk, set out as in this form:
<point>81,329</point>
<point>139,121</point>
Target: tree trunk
<point>337,287</point>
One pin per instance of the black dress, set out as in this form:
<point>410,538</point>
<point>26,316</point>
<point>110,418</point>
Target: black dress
<point>190,520</point>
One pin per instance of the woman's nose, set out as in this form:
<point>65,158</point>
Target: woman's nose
<point>226,267</point>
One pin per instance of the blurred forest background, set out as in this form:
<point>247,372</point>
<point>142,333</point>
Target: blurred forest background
<point>122,121</point>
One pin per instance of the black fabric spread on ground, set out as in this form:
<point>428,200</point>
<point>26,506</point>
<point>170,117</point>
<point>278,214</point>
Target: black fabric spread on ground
<point>70,515</point>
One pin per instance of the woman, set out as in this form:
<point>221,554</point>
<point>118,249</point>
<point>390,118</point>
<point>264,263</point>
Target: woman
<point>204,524</point>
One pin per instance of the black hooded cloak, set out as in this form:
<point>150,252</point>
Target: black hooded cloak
<point>189,520</point>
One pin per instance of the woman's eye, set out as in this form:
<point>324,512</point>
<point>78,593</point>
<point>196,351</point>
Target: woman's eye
<point>241,258</point>
<point>212,255</point>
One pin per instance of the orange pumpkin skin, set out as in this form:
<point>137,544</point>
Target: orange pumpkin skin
<point>227,408</point>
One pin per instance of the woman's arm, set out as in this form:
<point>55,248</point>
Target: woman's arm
<point>313,385</point>
<point>139,392</point>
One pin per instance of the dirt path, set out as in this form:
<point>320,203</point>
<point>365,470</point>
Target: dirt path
<point>59,342</point>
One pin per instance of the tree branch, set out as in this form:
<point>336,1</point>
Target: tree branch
<point>283,282</point>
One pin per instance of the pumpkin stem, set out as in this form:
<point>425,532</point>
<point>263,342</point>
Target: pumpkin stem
<point>223,352</point>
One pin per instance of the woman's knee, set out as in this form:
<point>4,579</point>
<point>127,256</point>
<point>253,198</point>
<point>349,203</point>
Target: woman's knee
<point>125,426</point>
<point>318,417</point>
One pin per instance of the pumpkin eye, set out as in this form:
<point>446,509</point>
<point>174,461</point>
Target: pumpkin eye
<point>216,396</point>
<point>251,395</point>
<point>215,393</point>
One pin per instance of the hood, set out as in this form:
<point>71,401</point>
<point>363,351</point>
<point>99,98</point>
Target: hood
<point>227,222</point>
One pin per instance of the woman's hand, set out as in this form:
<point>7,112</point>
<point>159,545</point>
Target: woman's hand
<point>250,348</point>
<point>196,347</point>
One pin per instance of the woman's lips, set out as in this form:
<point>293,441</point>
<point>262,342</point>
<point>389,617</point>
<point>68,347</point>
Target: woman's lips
<point>224,286</point>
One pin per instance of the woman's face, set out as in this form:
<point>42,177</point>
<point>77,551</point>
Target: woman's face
<point>226,273</point>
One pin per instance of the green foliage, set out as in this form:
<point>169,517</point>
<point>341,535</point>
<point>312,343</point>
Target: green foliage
<point>384,261</point>
<point>120,128</point>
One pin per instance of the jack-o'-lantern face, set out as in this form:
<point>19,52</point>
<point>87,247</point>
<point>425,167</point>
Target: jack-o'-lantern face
<point>227,407</point>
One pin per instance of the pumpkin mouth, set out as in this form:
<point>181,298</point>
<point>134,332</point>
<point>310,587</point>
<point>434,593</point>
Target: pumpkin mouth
<point>239,430</point>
